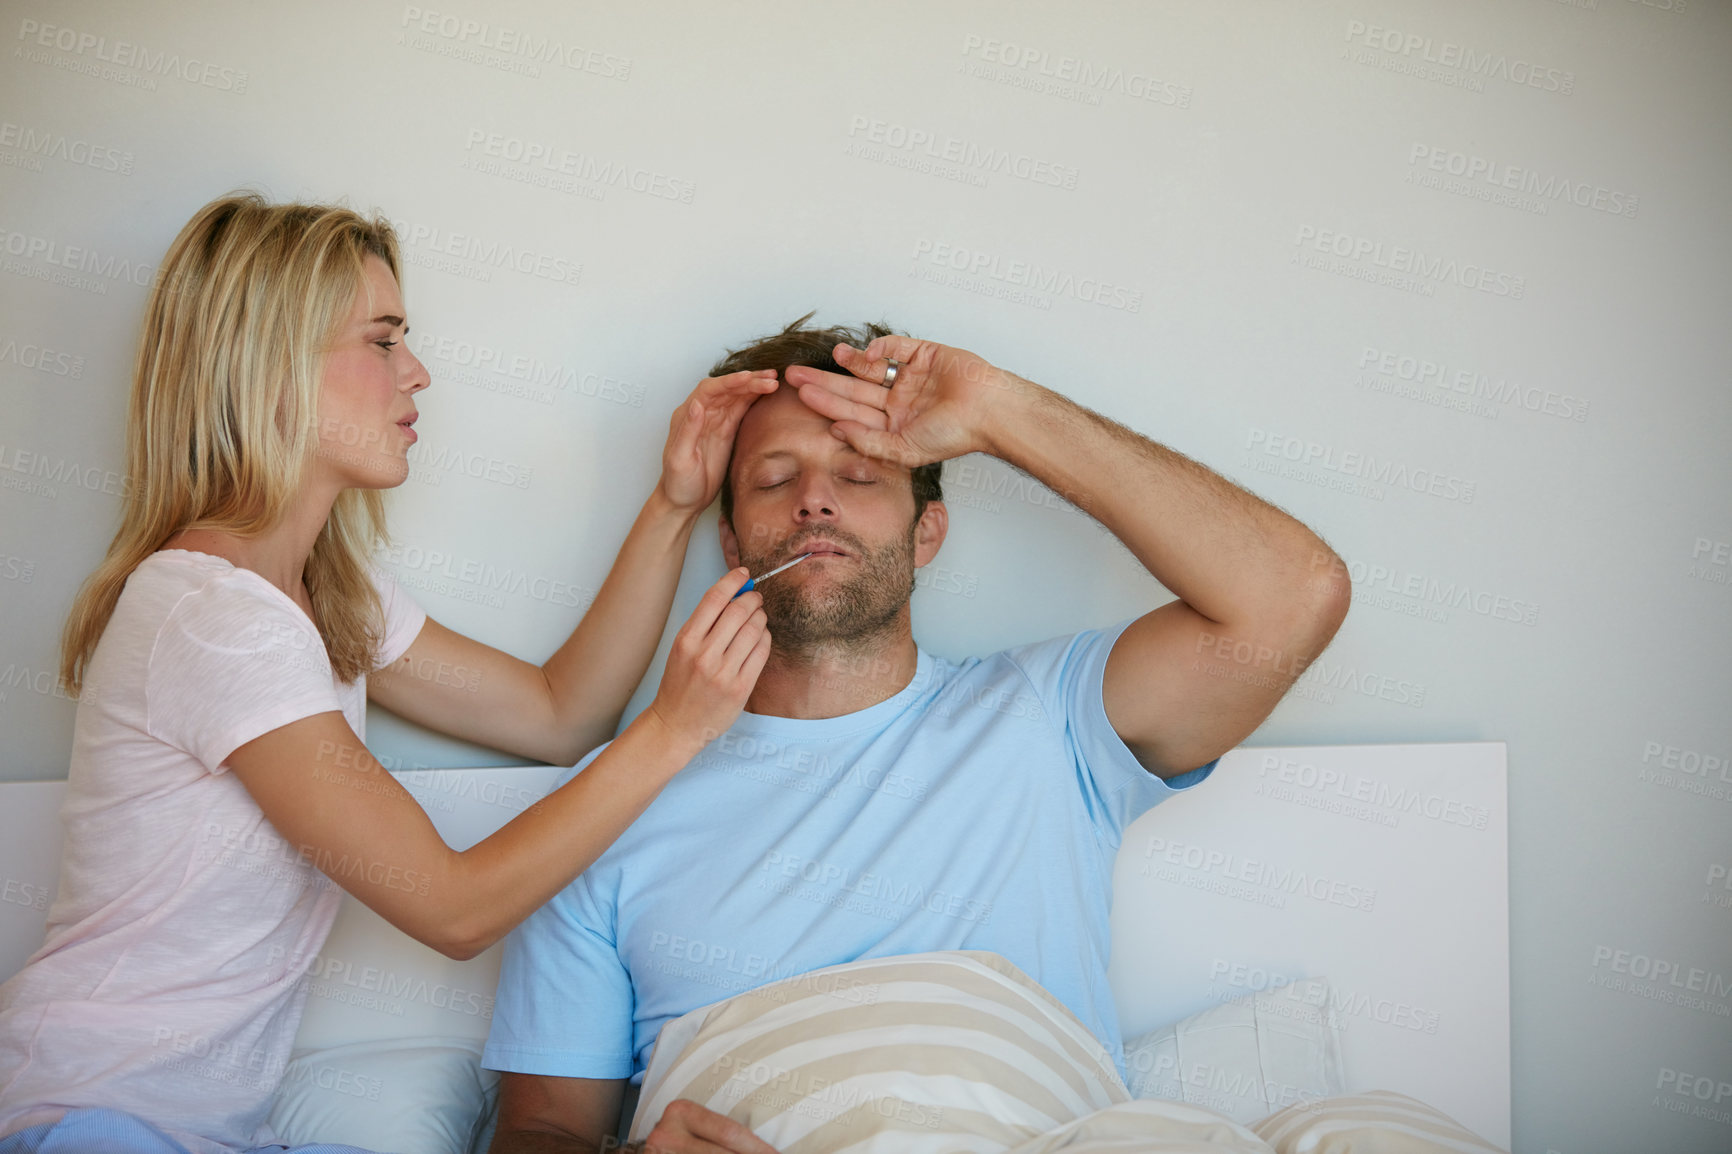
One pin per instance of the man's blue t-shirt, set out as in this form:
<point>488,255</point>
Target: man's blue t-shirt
<point>980,808</point>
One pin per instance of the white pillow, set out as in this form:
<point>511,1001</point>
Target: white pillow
<point>1245,1058</point>
<point>405,1096</point>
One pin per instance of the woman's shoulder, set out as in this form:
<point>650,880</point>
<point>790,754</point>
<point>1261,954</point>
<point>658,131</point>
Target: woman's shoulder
<point>209,627</point>
<point>177,572</point>
<point>175,602</point>
<point>201,587</point>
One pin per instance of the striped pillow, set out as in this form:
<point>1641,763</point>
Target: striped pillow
<point>1376,1122</point>
<point>891,1054</point>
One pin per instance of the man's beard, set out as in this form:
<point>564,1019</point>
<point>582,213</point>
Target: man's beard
<point>848,611</point>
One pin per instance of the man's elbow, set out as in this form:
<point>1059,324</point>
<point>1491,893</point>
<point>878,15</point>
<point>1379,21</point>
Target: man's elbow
<point>1331,596</point>
<point>1319,605</point>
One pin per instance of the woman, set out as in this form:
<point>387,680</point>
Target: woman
<point>223,649</point>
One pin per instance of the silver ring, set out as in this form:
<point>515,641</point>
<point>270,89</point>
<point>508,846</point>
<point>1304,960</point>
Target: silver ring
<point>890,371</point>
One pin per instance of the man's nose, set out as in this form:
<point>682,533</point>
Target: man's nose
<point>817,500</point>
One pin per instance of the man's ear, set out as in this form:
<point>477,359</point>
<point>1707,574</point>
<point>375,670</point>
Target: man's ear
<point>730,543</point>
<point>929,532</point>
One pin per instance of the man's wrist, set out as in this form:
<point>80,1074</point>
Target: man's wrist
<point>1012,404</point>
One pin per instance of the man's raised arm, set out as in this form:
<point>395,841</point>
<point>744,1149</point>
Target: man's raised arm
<point>1259,594</point>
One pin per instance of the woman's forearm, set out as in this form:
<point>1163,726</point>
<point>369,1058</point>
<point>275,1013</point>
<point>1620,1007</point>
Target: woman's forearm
<point>592,676</point>
<point>487,889</point>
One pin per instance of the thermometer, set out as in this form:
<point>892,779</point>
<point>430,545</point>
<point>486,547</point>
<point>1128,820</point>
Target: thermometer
<point>752,582</point>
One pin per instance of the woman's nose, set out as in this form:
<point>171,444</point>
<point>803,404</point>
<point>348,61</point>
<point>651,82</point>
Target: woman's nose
<point>418,377</point>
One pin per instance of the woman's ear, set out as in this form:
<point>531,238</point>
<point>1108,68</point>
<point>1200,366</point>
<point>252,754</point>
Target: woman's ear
<point>929,532</point>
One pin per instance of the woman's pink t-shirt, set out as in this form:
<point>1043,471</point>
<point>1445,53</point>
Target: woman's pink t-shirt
<point>170,983</point>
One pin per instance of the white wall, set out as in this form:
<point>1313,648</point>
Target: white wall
<point>1246,241</point>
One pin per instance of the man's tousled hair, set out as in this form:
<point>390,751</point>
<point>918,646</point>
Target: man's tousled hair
<point>815,348</point>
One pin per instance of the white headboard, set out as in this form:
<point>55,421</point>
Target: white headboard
<point>1384,868</point>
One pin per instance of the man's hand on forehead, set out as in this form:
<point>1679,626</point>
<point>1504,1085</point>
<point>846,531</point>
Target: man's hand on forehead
<point>941,403</point>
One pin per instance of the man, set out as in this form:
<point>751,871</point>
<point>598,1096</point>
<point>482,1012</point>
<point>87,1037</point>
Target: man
<point>874,800</point>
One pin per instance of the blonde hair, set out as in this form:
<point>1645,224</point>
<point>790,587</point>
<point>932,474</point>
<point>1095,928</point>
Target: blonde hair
<point>222,419</point>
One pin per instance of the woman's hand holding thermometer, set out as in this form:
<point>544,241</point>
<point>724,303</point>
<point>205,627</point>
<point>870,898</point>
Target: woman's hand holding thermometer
<point>752,582</point>
<point>714,663</point>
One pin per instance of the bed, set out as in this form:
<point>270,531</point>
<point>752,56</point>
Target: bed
<point>1358,891</point>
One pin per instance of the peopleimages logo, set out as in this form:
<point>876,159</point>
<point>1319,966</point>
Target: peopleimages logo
<point>1470,384</point>
<point>1309,779</point>
<point>39,473</point>
<point>79,258</point>
<point>1370,579</point>
<point>432,568</point>
<point>886,896</point>
<point>1024,274</point>
<point>1697,1095</point>
<point>1338,1002</point>
<point>874,139</point>
<point>481,365</point>
<point>44,360</point>
<point>1070,77</point>
<point>371,987</point>
<point>514,42</point>
<point>59,146</point>
<point>1687,762</point>
<point>484,254</point>
<point>1359,466</point>
<point>436,461</point>
<point>1662,980</point>
<point>1497,175</point>
<point>1285,879</point>
<point>544,159</point>
<point>1407,262</point>
<point>89,46</point>
<point>1461,59</point>
<point>1711,561</point>
<point>19,893</point>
